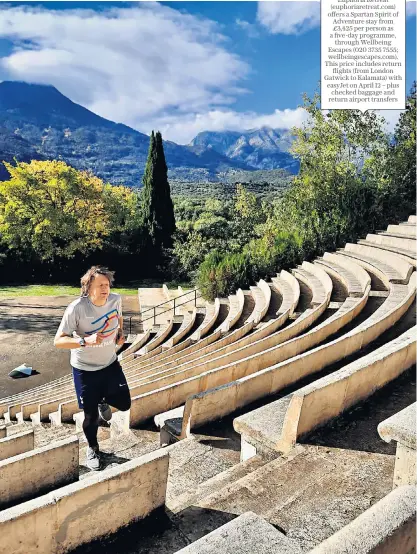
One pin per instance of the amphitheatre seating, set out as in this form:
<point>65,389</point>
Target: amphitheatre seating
<point>185,327</point>
<point>139,341</point>
<point>51,407</point>
<point>404,243</point>
<point>161,335</point>
<point>3,431</point>
<point>386,527</point>
<point>408,230</point>
<point>278,425</point>
<point>407,255</point>
<point>262,296</point>
<point>246,360</point>
<point>236,304</point>
<point>29,398</point>
<point>401,428</point>
<point>387,264</point>
<point>412,219</point>
<point>86,510</point>
<point>212,313</point>
<point>16,444</point>
<point>38,471</point>
<point>215,402</point>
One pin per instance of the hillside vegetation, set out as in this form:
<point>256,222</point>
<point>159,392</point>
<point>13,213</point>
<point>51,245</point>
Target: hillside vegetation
<point>56,221</point>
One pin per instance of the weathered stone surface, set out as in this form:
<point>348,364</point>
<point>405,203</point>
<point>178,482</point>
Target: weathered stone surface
<point>400,427</point>
<point>388,527</point>
<point>247,534</point>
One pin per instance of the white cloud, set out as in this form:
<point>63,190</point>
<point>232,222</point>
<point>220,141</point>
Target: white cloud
<point>292,17</point>
<point>251,29</point>
<point>184,129</point>
<point>410,8</point>
<point>129,65</point>
<point>289,17</point>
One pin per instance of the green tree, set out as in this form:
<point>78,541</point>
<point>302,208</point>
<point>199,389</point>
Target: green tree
<point>52,209</point>
<point>400,199</point>
<point>334,197</point>
<point>157,207</point>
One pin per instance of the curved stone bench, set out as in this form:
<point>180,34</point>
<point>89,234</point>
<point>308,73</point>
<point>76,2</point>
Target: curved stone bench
<point>349,264</point>
<point>407,255</point>
<point>349,280</point>
<point>278,425</point>
<point>396,242</point>
<point>262,296</point>
<point>86,510</point>
<point>236,304</point>
<point>136,345</point>
<point>246,534</point>
<point>210,318</point>
<point>401,428</point>
<point>159,338</point>
<point>406,230</point>
<point>185,327</point>
<point>394,267</point>
<point>387,527</point>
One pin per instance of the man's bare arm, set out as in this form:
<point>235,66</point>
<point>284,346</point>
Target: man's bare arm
<point>65,341</point>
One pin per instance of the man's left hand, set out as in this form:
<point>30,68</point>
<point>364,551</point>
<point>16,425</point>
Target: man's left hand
<point>120,339</point>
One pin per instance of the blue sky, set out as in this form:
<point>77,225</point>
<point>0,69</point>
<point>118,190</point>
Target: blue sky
<point>182,67</point>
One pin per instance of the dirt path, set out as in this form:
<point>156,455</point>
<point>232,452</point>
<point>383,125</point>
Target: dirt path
<point>27,327</point>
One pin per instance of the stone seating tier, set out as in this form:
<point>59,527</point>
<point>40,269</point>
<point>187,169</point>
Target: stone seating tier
<point>278,425</point>
<point>86,510</point>
<point>216,402</point>
<point>38,471</point>
<point>386,527</point>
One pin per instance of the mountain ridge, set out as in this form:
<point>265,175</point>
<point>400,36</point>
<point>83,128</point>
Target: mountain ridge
<point>45,124</point>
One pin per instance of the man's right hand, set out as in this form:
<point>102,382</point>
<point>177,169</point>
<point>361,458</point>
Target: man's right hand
<point>93,340</point>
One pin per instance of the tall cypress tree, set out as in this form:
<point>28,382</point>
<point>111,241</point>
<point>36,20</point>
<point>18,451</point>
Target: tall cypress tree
<point>157,207</point>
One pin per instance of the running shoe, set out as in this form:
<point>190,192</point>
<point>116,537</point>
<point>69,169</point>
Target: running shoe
<point>93,458</point>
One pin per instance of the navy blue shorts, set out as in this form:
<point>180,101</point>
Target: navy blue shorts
<point>104,385</point>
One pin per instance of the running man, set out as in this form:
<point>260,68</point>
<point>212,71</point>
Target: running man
<point>91,327</point>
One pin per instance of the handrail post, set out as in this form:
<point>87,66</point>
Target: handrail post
<point>174,307</point>
<point>154,315</point>
<point>195,298</point>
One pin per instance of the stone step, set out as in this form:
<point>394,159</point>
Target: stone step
<point>225,478</point>
<point>310,495</point>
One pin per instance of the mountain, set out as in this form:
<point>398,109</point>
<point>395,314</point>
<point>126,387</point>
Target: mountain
<point>263,148</point>
<point>54,127</point>
<point>38,122</point>
<point>14,146</point>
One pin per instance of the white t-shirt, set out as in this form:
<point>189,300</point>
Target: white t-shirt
<point>81,319</point>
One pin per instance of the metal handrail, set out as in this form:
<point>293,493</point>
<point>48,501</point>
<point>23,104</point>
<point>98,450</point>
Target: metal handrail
<point>153,308</point>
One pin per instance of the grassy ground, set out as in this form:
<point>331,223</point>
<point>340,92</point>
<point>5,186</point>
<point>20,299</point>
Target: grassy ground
<point>11,291</point>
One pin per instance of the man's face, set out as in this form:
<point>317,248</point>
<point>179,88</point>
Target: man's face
<point>99,288</point>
